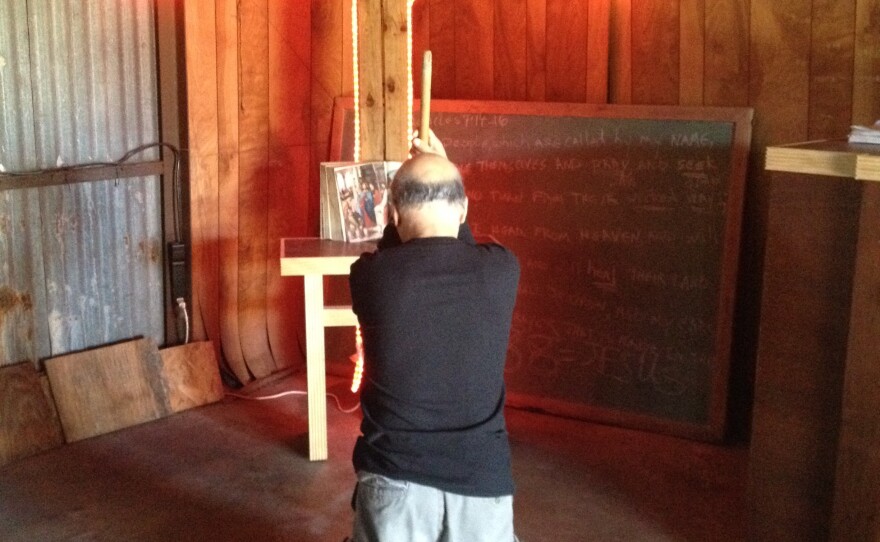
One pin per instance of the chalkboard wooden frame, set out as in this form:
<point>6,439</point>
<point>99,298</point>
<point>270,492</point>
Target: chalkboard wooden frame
<point>712,428</point>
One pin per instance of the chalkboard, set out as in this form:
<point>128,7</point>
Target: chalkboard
<point>626,222</point>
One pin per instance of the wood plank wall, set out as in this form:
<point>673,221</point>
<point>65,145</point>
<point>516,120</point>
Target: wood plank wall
<point>262,76</point>
<point>250,85</point>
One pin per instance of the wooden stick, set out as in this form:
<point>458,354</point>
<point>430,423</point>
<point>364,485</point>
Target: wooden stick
<point>425,129</point>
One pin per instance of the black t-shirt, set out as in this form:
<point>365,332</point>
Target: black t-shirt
<point>435,316</point>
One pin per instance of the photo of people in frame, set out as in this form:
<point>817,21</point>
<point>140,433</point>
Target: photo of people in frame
<point>363,196</point>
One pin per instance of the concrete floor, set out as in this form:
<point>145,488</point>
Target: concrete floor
<point>238,471</point>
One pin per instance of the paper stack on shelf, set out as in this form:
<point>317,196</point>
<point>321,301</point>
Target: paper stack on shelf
<point>865,134</point>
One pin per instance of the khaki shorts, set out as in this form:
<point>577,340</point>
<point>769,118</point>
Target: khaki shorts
<point>388,510</point>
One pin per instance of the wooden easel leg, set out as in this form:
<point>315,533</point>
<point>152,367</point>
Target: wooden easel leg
<point>315,373</point>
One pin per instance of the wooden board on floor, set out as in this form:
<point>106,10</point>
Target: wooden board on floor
<point>109,388</point>
<point>191,375</point>
<point>28,420</point>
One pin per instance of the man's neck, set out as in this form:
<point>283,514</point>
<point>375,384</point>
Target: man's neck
<point>436,219</point>
<point>425,231</point>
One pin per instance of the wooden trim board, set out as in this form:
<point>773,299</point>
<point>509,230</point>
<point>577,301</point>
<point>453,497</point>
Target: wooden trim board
<point>28,420</point>
<point>110,388</point>
<point>100,391</point>
<point>191,375</point>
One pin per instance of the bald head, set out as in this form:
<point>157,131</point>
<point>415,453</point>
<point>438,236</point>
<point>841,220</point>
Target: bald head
<point>426,178</point>
<point>427,197</point>
<point>429,167</point>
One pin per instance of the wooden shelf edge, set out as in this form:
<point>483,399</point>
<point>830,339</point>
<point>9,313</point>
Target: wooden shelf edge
<point>338,265</point>
<point>868,168</point>
<point>811,161</point>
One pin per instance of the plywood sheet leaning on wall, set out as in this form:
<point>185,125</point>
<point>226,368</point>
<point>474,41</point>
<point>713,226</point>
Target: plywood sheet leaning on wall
<point>106,389</point>
<point>28,420</point>
<point>191,375</point>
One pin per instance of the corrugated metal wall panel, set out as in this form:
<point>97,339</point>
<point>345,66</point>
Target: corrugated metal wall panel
<point>22,285</point>
<point>21,279</point>
<point>92,68</point>
<point>16,107</point>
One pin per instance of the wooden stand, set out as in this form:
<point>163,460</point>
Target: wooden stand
<point>845,496</point>
<point>313,259</point>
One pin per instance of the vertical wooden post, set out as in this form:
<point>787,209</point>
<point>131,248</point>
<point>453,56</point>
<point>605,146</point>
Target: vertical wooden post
<point>383,79</point>
<point>370,80</point>
<point>394,40</point>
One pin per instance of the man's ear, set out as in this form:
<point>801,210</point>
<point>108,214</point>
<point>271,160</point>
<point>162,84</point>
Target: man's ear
<point>464,210</point>
<point>394,215</point>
